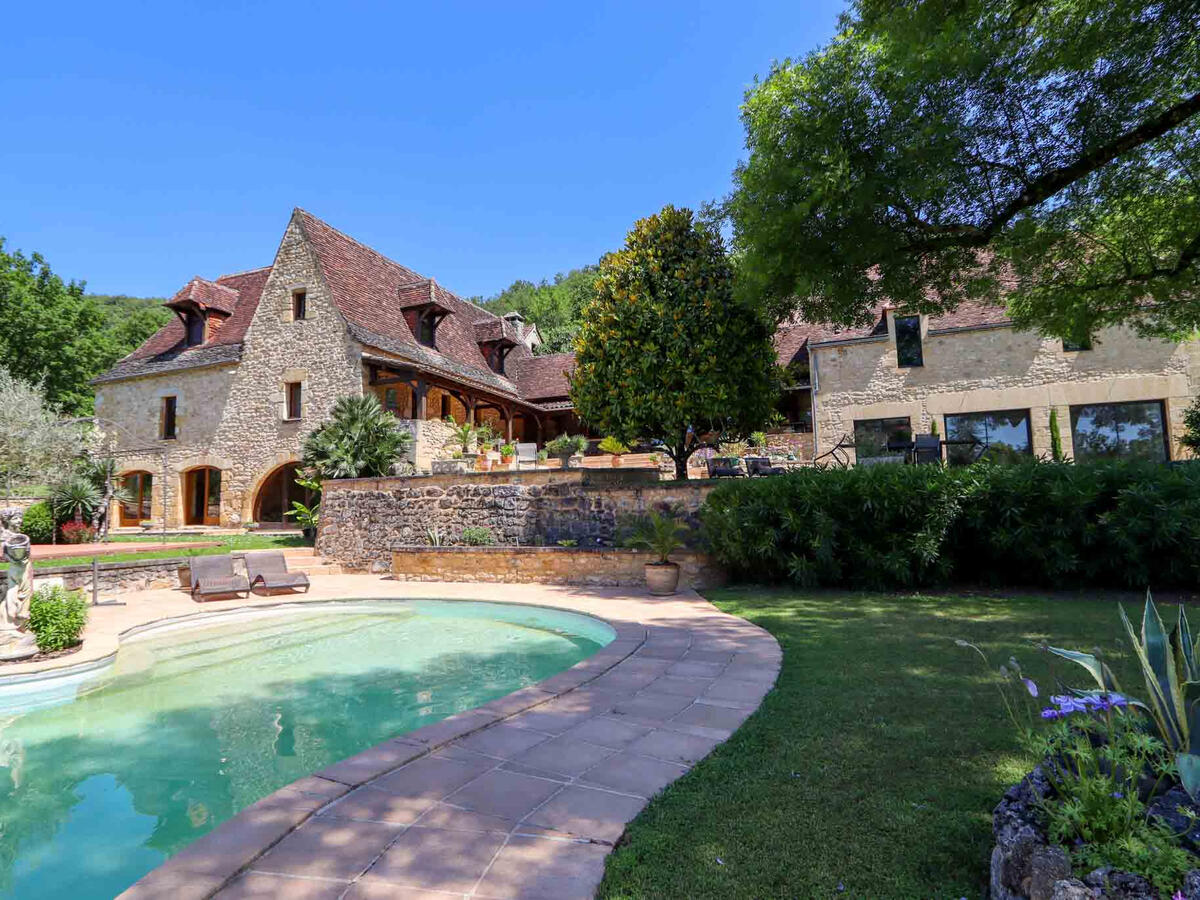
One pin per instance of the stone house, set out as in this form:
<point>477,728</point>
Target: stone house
<point>984,386</point>
<point>207,418</point>
<point>209,415</point>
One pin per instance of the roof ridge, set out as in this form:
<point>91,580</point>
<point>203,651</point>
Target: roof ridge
<point>246,272</point>
<point>357,242</point>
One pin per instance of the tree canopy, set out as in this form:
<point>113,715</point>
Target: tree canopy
<point>665,351</point>
<point>54,335</point>
<point>940,150</point>
<point>36,447</point>
<point>553,306</point>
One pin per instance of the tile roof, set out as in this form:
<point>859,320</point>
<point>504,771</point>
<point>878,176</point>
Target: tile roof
<point>542,377</point>
<point>164,351</point>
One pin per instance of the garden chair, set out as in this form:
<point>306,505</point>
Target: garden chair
<point>270,568</point>
<point>215,575</point>
<point>527,455</point>
<point>927,448</point>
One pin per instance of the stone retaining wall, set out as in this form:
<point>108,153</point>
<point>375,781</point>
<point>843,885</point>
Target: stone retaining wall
<point>547,565</point>
<point>115,577</point>
<point>363,520</point>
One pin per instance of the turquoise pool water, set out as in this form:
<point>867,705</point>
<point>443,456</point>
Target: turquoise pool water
<point>193,725</point>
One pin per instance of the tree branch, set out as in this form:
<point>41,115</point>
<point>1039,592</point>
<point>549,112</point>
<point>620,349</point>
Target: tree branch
<point>1050,183</point>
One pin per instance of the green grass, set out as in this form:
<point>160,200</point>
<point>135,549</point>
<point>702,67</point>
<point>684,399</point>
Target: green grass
<point>229,543</point>
<point>872,768</point>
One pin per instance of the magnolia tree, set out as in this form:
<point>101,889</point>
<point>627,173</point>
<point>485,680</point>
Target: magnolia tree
<point>36,446</point>
<point>665,351</point>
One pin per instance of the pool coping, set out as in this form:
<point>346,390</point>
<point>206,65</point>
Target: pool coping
<point>680,649</point>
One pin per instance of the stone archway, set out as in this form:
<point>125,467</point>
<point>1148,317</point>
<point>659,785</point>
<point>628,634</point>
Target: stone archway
<point>276,493</point>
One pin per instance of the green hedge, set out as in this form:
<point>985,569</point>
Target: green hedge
<point>1121,525</point>
<point>38,523</point>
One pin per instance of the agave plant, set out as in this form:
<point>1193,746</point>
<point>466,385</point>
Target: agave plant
<point>1168,664</point>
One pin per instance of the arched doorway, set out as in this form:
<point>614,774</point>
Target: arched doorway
<point>277,493</point>
<point>202,496</point>
<point>136,507</point>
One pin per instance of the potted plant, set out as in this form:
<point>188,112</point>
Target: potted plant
<point>565,446</point>
<point>542,456</point>
<point>611,445</point>
<point>507,452</point>
<point>307,517</point>
<point>662,534</point>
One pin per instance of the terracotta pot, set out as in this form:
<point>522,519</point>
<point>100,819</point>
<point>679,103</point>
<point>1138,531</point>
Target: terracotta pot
<point>616,461</point>
<point>662,578</point>
<point>507,460</point>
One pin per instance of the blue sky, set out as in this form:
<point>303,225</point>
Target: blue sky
<point>475,142</point>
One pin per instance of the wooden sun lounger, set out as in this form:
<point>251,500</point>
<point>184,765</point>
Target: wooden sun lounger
<point>270,569</point>
<point>215,575</point>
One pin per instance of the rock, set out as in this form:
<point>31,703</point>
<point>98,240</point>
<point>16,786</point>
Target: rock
<point>1166,808</point>
<point>1191,885</point>
<point>1072,889</point>
<point>1048,866</point>
<point>1117,885</point>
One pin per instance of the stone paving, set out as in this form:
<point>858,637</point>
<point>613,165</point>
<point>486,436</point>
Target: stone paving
<point>521,797</point>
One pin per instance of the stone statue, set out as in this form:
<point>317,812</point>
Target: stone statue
<point>15,640</point>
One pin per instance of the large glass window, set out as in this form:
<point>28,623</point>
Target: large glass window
<point>1002,436</point>
<point>872,436</point>
<point>908,341</point>
<point>1110,430</point>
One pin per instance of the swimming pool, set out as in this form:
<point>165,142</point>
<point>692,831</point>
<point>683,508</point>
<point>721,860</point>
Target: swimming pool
<point>194,722</point>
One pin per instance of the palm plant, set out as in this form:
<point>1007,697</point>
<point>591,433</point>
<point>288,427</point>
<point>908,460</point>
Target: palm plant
<point>360,439</point>
<point>463,436</point>
<point>103,472</point>
<point>661,533</point>
<point>74,498</point>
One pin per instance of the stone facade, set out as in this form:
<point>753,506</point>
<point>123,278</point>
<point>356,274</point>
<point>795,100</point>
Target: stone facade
<point>994,368</point>
<point>607,567</point>
<point>363,520</point>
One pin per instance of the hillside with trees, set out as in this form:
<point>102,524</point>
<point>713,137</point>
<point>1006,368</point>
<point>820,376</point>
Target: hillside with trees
<point>54,335</point>
<point>554,306</point>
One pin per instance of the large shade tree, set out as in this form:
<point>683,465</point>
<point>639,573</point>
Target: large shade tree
<point>36,446</point>
<point>938,150</point>
<point>665,351</point>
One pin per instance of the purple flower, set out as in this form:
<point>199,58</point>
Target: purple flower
<point>1067,704</point>
<point>1030,686</point>
<point>1117,795</point>
<point>1050,713</point>
<point>1178,895</point>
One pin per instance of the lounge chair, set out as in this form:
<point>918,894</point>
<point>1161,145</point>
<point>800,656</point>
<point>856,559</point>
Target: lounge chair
<point>270,568</point>
<point>527,454</point>
<point>215,575</point>
<point>724,467</point>
<point>761,465</point>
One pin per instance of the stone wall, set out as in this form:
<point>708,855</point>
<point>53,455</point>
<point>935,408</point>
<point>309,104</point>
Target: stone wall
<point>546,565</point>
<point>115,577</point>
<point>363,520</point>
<point>993,369</point>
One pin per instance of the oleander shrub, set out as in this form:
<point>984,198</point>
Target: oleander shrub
<point>1037,523</point>
<point>38,523</point>
<point>57,617</point>
<point>77,533</point>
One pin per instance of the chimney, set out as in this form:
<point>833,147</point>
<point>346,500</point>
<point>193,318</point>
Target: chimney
<point>517,321</point>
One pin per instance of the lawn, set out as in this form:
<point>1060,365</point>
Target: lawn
<point>229,543</point>
<point>872,768</point>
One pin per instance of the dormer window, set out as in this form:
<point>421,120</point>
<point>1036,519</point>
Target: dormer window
<point>194,324</point>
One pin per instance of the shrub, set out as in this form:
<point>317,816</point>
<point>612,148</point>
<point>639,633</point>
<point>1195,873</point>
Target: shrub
<point>77,533</point>
<point>38,523</point>
<point>477,536</point>
<point>1191,427</point>
<point>57,617</point>
<point>1126,524</point>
